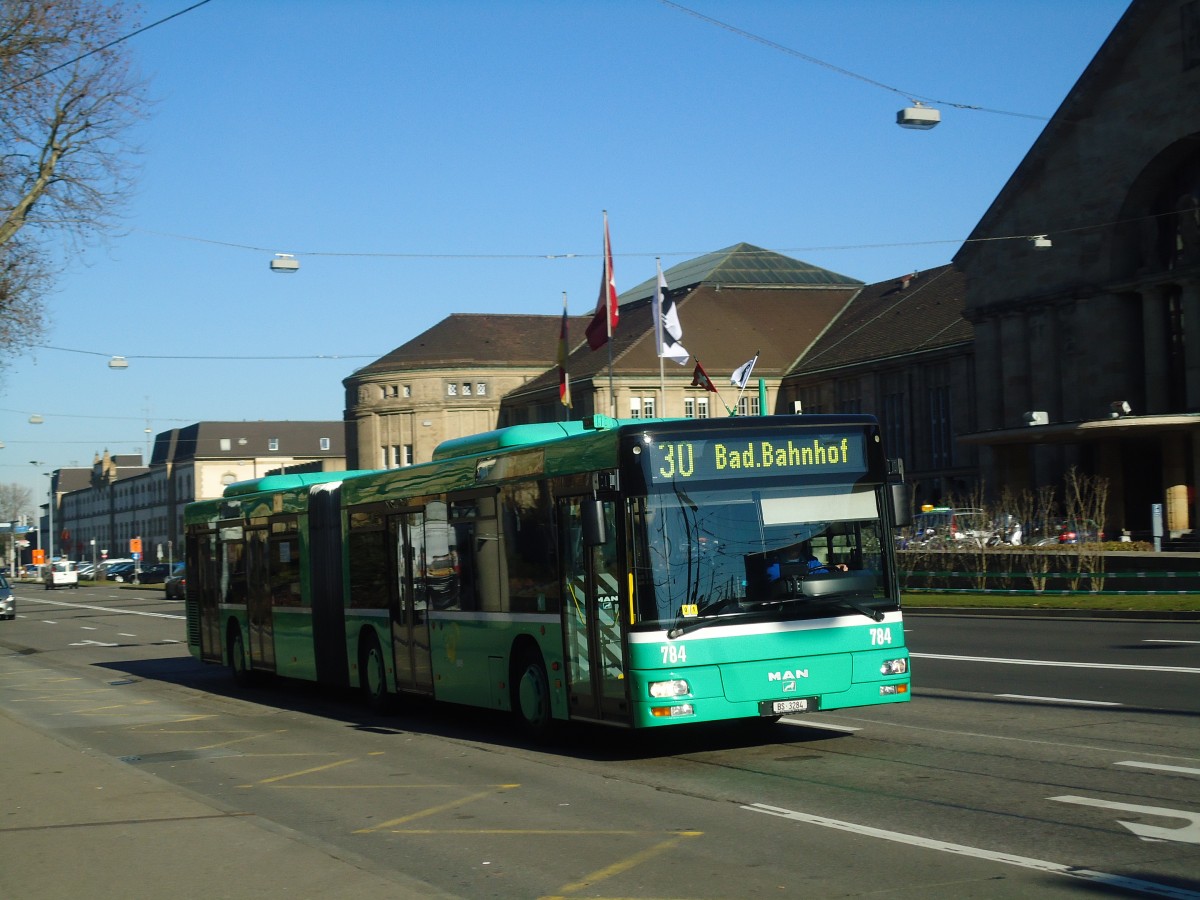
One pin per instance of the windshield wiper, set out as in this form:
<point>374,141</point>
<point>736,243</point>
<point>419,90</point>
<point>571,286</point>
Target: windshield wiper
<point>708,614</point>
<point>868,611</point>
<point>680,628</point>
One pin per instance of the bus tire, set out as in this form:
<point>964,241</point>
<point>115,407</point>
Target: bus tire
<point>531,695</point>
<point>238,667</point>
<point>372,673</point>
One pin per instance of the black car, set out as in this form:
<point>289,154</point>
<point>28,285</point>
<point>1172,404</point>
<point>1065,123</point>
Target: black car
<point>153,574</point>
<point>119,571</point>
<point>176,585</point>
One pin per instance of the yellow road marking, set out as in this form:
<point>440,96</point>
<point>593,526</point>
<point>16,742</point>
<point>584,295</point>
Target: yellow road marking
<point>434,810</point>
<point>624,865</point>
<point>522,832</point>
<point>332,765</point>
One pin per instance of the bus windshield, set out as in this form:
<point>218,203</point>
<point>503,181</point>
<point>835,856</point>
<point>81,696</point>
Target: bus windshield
<point>788,552</point>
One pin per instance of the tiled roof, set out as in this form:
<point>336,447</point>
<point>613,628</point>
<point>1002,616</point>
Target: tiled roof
<point>742,265</point>
<point>922,311</point>
<point>202,440</point>
<point>475,339</point>
<point>722,328</point>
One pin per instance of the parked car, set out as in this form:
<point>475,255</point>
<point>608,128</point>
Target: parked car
<point>176,586</point>
<point>156,573</point>
<point>120,571</point>
<point>107,565</point>
<point>86,570</point>
<point>8,603</point>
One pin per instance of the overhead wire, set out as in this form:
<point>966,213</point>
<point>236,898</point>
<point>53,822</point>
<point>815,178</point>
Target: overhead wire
<point>176,356</point>
<point>636,254</point>
<point>101,48</point>
<point>749,35</point>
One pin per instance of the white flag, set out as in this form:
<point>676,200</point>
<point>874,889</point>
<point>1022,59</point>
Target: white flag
<point>667,330</point>
<point>742,374</point>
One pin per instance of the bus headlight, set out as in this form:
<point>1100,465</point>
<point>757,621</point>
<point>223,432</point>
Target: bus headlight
<point>894,666</point>
<point>676,687</point>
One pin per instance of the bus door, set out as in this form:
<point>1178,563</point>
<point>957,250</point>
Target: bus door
<point>409,606</point>
<point>260,642</point>
<point>204,589</point>
<point>593,592</point>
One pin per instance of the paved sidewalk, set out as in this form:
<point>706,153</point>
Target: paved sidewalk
<point>78,825</point>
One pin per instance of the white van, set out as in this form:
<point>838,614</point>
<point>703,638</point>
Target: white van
<point>63,573</point>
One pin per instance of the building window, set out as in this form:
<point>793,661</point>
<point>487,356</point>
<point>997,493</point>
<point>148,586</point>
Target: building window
<point>849,397</point>
<point>408,390</point>
<point>408,454</point>
<point>893,425</point>
<point>466,389</point>
<point>635,407</point>
<point>226,444</point>
<point>393,458</point>
<point>451,389</point>
<point>689,407</point>
<point>272,443</point>
<point>941,432</point>
<point>228,478</point>
<point>701,407</point>
<point>481,388</point>
<point>748,406</point>
<point>324,443</point>
<point>647,407</point>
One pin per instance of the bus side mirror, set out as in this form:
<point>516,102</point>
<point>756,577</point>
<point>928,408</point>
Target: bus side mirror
<point>592,512</point>
<point>901,498</point>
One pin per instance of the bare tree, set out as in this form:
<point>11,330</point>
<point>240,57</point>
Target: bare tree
<point>15,501</point>
<point>67,100</point>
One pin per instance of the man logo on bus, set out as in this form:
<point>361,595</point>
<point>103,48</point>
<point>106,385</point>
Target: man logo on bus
<point>787,675</point>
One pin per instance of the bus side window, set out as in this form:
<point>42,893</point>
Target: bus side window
<point>531,564</point>
<point>477,553</point>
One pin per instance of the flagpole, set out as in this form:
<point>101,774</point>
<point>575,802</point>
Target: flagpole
<point>566,374</point>
<point>612,396</point>
<point>712,387</point>
<point>742,388</point>
<point>658,326</point>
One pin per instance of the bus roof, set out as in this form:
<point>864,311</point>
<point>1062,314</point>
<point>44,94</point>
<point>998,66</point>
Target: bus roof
<point>287,482</point>
<point>523,436</point>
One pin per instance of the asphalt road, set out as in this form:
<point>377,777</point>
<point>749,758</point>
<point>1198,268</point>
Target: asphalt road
<point>1038,757</point>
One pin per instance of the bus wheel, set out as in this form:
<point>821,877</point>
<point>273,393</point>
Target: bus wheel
<point>237,657</point>
<point>372,673</point>
<point>531,695</point>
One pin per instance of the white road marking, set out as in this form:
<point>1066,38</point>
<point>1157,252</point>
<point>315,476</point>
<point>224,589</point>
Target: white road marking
<point>109,609</point>
<point>1159,767</point>
<point>1187,834</point>
<point>1059,700</point>
<point>1025,862</point>
<point>93,644</point>
<point>1188,670</point>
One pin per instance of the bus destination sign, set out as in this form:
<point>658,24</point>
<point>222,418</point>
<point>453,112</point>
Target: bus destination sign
<point>773,454</point>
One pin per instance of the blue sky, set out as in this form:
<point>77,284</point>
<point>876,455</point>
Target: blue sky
<point>426,158</point>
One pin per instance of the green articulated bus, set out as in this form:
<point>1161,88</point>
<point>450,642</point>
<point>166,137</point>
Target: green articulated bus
<point>630,572</point>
